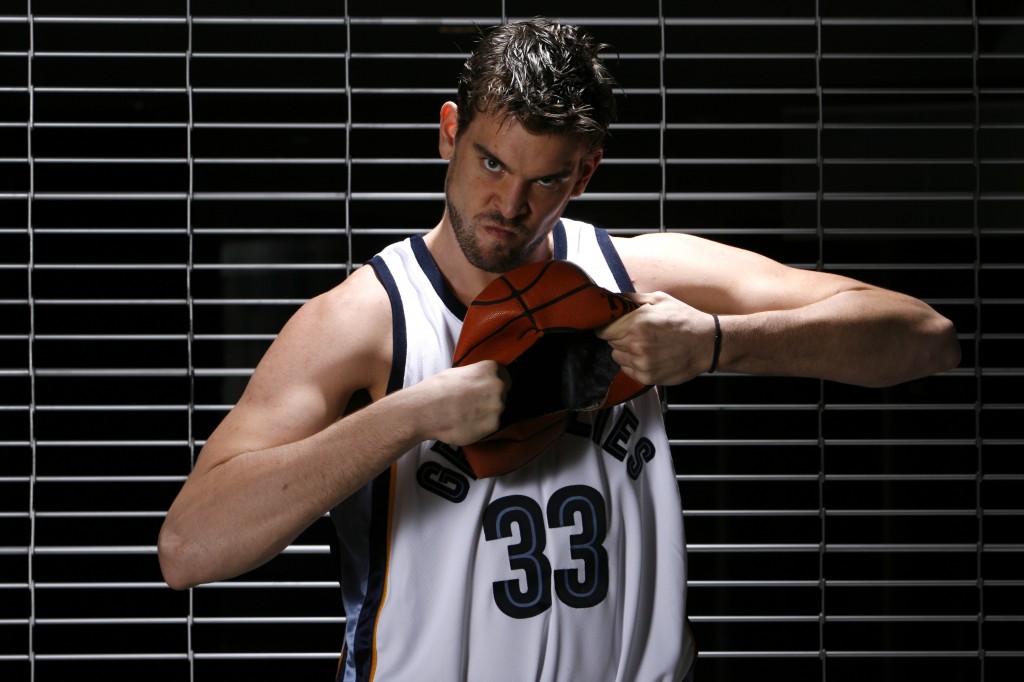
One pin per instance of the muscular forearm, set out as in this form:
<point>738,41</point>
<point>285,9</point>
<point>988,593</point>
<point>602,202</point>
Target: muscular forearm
<point>235,514</point>
<point>867,337</point>
<point>247,509</point>
<point>864,336</point>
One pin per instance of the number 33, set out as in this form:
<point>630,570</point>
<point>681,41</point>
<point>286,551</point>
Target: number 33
<point>528,556</point>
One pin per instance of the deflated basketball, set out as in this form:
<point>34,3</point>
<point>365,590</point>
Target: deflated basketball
<point>538,321</point>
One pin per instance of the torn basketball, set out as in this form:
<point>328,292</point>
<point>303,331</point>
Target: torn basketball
<point>538,321</point>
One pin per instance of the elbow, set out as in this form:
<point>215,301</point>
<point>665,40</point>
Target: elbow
<point>933,348</point>
<point>944,346</point>
<point>937,349</point>
<point>174,563</point>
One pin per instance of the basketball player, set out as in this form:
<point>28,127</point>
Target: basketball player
<point>573,566</point>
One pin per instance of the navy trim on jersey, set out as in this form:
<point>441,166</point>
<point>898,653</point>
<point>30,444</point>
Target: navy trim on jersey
<point>615,264</point>
<point>380,492</point>
<point>363,649</point>
<point>433,273</point>
<point>560,251</point>
<point>399,340</point>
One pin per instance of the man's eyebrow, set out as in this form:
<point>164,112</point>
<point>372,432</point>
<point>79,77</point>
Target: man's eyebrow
<point>559,174</point>
<point>488,153</point>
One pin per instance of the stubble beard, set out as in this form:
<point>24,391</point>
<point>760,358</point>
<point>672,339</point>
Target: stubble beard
<point>498,259</point>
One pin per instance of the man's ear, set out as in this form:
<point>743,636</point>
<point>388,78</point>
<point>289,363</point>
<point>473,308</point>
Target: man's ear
<point>449,128</point>
<point>588,164</point>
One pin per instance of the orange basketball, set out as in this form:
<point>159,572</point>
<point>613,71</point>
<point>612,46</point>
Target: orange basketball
<point>538,321</point>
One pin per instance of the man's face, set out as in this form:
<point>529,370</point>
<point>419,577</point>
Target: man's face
<point>506,188</point>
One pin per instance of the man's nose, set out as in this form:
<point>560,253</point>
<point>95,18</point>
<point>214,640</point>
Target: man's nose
<point>511,200</point>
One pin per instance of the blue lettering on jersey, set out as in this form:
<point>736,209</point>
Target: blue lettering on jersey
<point>618,438</point>
<point>442,481</point>
<point>618,442</point>
<point>451,484</point>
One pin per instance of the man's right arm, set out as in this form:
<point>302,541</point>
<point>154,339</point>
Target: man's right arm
<point>285,455</point>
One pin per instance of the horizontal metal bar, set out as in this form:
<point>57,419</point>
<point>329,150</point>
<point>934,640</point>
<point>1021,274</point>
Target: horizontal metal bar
<point>834,548</point>
<point>224,585</point>
<point>98,301</point>
<point>107,19</point>
<point>196,655</point>
<point>827,511</point>
<point>83,622</point>
<point>329,655</point>
<point>471,20</point>
<point>132,160</point>
<point>920,21</point>
<point>853,548</point>
<point>241,231</point>
<point>75,338</point>
<point>920,653</point>
<point>181,407</point>
<point>809,196</point>
<point>731,584</point>
<point>704,478</point>
<point>723,442</point>
<point>795,442</point>
<point>827,407</point>
<point>112,54</point>
<point>102,90</point>
<point>78,338</point>
<point>813,407</point>
<point>269,620</point>
<point>366,125</point>
<point>176,54</point>
<point>831,653</point>
<point>246,125</point>
<point>113,372</point>
<point>717,442</point>
<point>245,160</point>
<point>255,620</point>
<point>815,618</point>
<point>887,618</point>
<point>651,161</point>
<point>102,443</point>
<point>693,584</point>
<point>67,550</point>
<point>405,92</point>
<point>401,232</point>
<point>106,514</point>
<point>95,480</point>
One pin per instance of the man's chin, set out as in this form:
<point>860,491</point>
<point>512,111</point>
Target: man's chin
<point>497,266</point>
<point>498,258</point>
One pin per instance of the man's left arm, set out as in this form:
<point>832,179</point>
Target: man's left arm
<point>773,319</point>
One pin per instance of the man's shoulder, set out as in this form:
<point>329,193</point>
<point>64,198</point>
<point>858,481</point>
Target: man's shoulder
<point>346,330</point>
<point>664,261</point>
<point>358,302</point>
<point>353,313</point>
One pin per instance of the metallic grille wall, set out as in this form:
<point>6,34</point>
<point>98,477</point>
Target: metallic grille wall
<point>177,176</point>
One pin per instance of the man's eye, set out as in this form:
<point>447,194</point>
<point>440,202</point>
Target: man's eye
<point>491,165</point>
<point>547,182</point>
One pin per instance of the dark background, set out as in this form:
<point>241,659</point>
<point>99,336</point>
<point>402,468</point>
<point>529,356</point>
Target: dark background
<point>177,177</point>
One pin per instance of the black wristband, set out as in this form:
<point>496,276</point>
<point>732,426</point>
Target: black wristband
<point>718,344</point>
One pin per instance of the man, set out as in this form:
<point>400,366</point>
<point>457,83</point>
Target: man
<point>571,567</point>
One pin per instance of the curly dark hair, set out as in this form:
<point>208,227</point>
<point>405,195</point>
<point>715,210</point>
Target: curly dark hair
<point>544,75</point>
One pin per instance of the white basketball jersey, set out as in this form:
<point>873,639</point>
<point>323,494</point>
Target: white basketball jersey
<point>571,568</point>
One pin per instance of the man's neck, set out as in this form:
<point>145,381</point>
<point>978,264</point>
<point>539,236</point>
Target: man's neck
<point>464,280</point>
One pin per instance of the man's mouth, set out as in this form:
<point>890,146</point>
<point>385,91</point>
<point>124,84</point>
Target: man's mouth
<point>499,229</point>
<point>500,233</point>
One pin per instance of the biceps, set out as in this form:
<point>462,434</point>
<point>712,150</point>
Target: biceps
<point>778,287</point>
<point>715,277</point>
<point>272,413</point>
